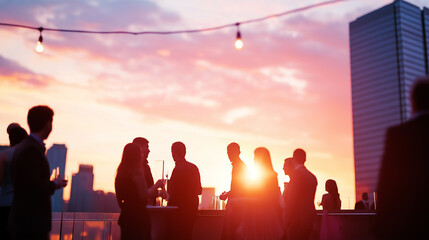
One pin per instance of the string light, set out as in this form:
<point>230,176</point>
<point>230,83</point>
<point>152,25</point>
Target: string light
<point>238,42</point>
<point>39,46</point>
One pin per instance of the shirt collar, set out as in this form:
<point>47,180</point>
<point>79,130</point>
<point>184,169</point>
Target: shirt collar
<point>38,140</point>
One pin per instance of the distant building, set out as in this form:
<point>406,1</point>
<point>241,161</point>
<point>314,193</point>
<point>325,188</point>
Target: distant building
<point>208,199</point>
<point>81,188</point>
<point>103,202</point>
<point>389,49</point>
<point>84,199</point>
<point>56,156</point>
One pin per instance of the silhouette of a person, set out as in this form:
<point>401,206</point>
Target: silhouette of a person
<point>132,195</point>
<point>331,200</point>
<point>299,199</point>
<point>16,135</point>
<point>234,208</point>
<point>403,177</point>
<point>183,189</point>
<point>30,214</point>
<point>144,149</point>
<point>330,227</point>
<point>263,214</point>
<point>364,203</point>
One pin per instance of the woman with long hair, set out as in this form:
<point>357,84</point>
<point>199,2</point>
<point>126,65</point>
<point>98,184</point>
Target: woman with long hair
<point>132,195</point>
<point>331,200</point>
<point>263,214</point>
<point>330,228</point>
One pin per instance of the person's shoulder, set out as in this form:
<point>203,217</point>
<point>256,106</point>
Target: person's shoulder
<point>190,165</point>
<point>27,145</point>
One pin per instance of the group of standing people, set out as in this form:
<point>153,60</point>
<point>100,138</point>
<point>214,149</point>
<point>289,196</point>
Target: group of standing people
<point>135,189</point>
<point>254,208</point>
<point>26,188</point>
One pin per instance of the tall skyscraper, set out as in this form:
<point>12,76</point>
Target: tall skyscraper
<point>56,156</point>
<point>388,50</point>
<point>81,189</point>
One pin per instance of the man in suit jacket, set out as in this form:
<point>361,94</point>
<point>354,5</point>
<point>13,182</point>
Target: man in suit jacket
<point>30,216</point>
<point>183,189</point>
<point>364,203</point>
<point>144,150</point>
<point>299,200</point>
<point>403,185</point>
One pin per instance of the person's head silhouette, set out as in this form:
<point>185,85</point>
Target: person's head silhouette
<point>365,196</point>
<point>263,159</point>
<point>178,151</point>
<point>299,156</point>
<point>39,120</point>
<point>288,166</point>
<point>16,135</point>
<point>331,186</point>
<point>143,143</point>
<point>233,151</point>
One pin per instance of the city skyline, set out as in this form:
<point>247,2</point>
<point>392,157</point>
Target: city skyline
<point>288,87</point>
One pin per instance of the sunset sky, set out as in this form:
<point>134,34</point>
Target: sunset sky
<point>288,87</point>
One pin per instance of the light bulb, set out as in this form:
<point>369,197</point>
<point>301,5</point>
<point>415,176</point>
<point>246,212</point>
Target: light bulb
<point>238,42</point>
<point>39,47</point>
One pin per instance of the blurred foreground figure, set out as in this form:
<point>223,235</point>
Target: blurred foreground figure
<point>299,200</point>
<point>132,195</point>
<point>183,189</point>
<point>403,185</point>
<point>235,207</point>
<point>30,214</point>
<point>16,135</point>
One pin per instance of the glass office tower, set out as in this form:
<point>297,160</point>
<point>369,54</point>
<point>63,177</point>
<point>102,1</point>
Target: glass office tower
<point>388,51</point>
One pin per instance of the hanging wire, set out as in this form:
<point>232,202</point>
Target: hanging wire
<point>179,31</point>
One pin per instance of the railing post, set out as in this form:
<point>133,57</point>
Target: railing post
<point>61,225</point>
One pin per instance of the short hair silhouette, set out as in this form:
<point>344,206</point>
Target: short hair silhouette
<point>299,155</point>
<point>140,141</point>
<point>233,147</point>
<point>16,135</point>
<point>420,94</point>
<point>365,196</point>
<point>12,126</point>
<point>38,116</point>
<point>178,149</point>
<point>288,165</point>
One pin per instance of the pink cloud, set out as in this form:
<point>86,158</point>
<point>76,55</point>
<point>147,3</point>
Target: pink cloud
<point>13,71</point>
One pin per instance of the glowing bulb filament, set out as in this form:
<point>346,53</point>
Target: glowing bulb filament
<point>238,44</point>
<point>39,47</point>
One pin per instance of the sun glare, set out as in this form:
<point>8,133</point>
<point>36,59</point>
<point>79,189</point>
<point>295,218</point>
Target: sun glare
<point>254,173</point>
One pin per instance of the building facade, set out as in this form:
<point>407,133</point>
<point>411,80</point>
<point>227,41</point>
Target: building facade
<point>81,189</point>
<point>56,156</point>
<point>388,51</point>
